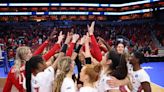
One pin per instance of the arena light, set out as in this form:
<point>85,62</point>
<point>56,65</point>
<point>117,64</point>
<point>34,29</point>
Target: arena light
<point>162,8</point>
<point>54,4</point>
<point>111,13</point>
<point>104,5</point>
<point>78,13</point>
<point>128,12</point>
<point>43,13</point>
<point>80,4</point>
<point>15,13</point>
<point>96,13</point>
<point>40,13</point>
<point>68,13</point>
<point>29,4</point>
<point>3,4</point>
<point>132,3</point>
<point>136,11</point>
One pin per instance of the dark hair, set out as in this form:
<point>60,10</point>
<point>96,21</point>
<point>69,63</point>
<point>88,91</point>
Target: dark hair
<point>120,42</point>
<point>139,56</point>
<point>31,65</point>
<point>118,66</point>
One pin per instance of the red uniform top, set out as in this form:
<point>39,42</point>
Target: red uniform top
<point>95,50</point>
<point>51,52</point>
<point>71,49</point>
<point>12,80</point>
<point>17,82</point>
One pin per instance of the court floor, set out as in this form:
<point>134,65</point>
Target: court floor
<point>156,73</point>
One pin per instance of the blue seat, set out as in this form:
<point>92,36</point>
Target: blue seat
<point>11,62</point>
<point>4,61</point>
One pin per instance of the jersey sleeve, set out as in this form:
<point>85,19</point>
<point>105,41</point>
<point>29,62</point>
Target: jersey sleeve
<point>51,52</point>
<point>41,48</point>
<point>95,50</point>
<point>70,49</point>
<point>103,49</point>
<point>144,77</point>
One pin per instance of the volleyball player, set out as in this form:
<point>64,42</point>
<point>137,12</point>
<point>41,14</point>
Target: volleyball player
<point>15,77</point>
<point>39,78</point>
<point>140,79</point>
<point>63,81</point>
<point>89,75</point>
<point>120,48</point>
<point>23,54</point>
<point>125,84</point>
<point>113,64</point>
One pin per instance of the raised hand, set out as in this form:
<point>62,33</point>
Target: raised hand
<point>91,28</point>
<point>75,37</point>
<point>53,34</point>
<point>68,39</point>
<point>87,38</point>
<point>82,41</point>
<point>60,37</point>
<point>87,49</point>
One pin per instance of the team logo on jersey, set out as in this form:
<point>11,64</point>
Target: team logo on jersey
<point>136,75</point>
<point>68,87</point>
<point>103,80</point>
<point>35,82</point>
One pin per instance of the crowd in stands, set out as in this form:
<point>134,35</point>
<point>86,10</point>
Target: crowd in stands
<point>137,35</point>
<point>160,33</point>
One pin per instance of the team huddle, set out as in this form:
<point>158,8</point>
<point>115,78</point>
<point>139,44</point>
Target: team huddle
<point>78,64</point>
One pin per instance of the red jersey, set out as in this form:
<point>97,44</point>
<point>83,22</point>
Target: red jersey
<point>17,81</point>
<point>13,80</point>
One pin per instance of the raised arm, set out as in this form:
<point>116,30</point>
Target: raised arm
<point>95,50</point>
<point>70,50</point>
<point>63,50</point>
<point>45,43</point>
<point>53,50</point>
<point>87,51</point>
<point>76,52</point>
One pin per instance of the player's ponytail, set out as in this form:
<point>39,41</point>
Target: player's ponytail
<point>28,76</point>
<point>32,64</point>
<point>97,69</point>
<point>64,66</point>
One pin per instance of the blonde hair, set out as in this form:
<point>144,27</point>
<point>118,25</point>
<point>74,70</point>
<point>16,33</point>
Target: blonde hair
<point>20,58</point>
<point>64,67</point>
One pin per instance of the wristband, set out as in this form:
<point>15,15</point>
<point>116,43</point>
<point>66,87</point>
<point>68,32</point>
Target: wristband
<point>77,50</point>
<point>88,60</point>
<point>64,48</point>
